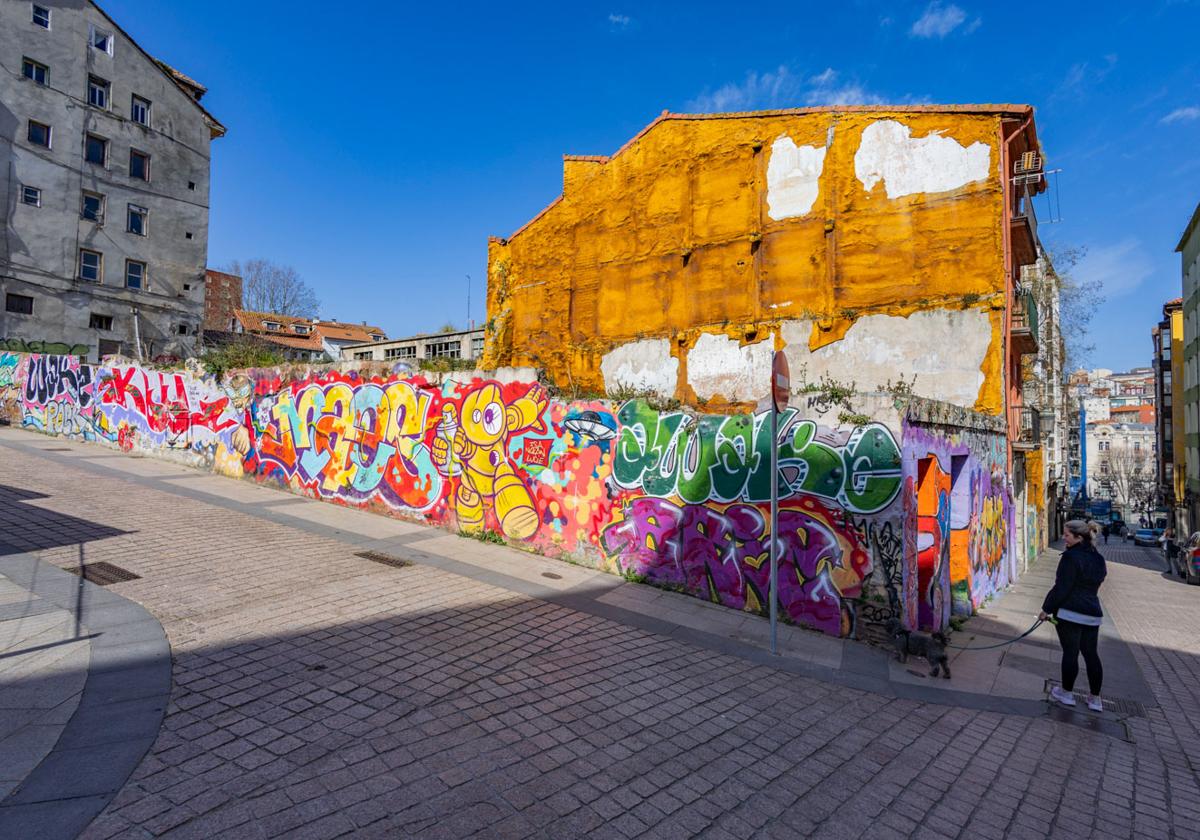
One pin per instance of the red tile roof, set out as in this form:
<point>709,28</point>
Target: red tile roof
<point>255,322</point>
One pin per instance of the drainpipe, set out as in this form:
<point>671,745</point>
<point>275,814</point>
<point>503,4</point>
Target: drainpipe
<point>137,337</point>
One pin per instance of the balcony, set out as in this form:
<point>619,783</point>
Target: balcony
<point>1023,224</point>
<point>1024,324</point>
<point>1024,428</point>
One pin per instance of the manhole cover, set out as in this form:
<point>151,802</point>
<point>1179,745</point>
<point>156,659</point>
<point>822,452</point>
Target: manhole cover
<point>103,574</point>
<point>551,575</point>
<point>384,559</point>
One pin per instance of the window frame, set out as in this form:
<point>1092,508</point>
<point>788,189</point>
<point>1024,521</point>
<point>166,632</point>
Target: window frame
<point>136,209</point>
<point>34,16</point>
<point>83,197</point>
<point>104,86</point>
<point>272,325</point>
<point>145,176</point>
<point>109,37</point>
<point>49,144</point>
<point>26,61</point>
<point>104,145</point>
<point>25,188</point>
<point>182,329</point>
<point>99,265</point>
<point>443,350</point>
<point>9,297</point>
<point>134,101</point>
<point>94,317</point>
<point>143,282</point>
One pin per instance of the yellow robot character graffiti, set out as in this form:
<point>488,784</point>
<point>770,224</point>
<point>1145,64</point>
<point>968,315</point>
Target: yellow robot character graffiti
<point>487,475</point>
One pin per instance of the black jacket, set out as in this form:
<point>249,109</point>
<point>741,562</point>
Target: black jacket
<point>1081,570</point>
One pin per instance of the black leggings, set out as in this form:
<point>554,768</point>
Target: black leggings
<point>1076,639</point>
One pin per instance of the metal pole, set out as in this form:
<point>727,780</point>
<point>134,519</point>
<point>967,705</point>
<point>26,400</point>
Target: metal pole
<point>774,581</point>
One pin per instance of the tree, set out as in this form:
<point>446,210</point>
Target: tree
<point>1128,474</point>
<point>269,287</point>
<point>1079,298</point>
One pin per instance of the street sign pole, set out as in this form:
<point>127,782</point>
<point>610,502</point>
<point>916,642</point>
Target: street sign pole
<point>781,387</point>
<point>774,581</point>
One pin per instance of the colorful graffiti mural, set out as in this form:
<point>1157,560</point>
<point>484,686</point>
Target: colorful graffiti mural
<point>676,498</point>
<point>958,522</point>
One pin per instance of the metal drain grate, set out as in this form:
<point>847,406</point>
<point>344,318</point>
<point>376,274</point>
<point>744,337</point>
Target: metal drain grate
<point>1116,705</point>
<point>104,574</point>
<point>385,559</point>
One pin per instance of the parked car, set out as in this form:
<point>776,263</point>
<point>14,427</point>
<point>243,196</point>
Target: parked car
<point>1145,536</point>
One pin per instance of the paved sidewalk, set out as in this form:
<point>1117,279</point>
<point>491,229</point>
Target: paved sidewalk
<point>487,691</point>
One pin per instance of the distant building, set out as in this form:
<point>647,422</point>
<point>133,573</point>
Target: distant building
<point>222,298</point>
<point>104,174</point>
<point>1121,458</point>
<point>1171,470</point>
<point>459,344</point>
<point>306,339</point>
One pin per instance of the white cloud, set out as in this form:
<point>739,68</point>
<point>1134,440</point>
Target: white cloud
<point>620,21</point>
<point>1186,114</point>
<point>940,19</point>
<point>783,89</point>
<point>1082,76</point>
<point>1120,267</point>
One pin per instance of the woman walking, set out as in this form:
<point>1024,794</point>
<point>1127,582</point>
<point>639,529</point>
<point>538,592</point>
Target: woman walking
<point>1075,604</point>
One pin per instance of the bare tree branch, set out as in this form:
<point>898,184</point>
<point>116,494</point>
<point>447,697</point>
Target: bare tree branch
<point>1128,473</point>
<point>269,287</point>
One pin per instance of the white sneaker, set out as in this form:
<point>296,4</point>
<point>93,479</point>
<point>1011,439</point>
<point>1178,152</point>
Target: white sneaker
<point>1095,704</point>
<point>1062,696</point>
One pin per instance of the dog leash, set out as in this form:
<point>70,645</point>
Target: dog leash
<point>1001,644</point>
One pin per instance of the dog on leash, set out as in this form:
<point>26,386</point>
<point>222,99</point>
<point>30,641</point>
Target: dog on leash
<point>932,647</point>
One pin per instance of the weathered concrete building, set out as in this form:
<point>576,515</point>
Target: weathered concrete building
<point>452,344</point>
<point>1189,252</point>
<point>104,170</point>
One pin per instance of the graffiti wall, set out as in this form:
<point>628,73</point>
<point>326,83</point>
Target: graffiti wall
<point>958,521</point>
<point>869,526</point>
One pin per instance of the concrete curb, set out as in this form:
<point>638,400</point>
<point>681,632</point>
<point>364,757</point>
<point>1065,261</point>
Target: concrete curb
<point>123,704</point>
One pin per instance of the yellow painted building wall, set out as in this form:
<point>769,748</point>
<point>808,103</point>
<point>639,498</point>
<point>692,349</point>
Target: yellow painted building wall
<point>672,237</point>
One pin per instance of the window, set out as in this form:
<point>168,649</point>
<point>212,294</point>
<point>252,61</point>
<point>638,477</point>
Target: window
<point>39,134</point>
<point>41,16</point>
<point>98,90</point>
<point>187,235</point>
<point>91,265</point>
<point>443,350</point>
<point>95,149</point>
<point>408,352</point>
<point>301,329</point>
<point>139,165</point>
<point>135,274</point>
<point>476,346</point>
<point>31,196</point>
<point>100,40</point>
<point>375,337</point>
<point>191,185</point>
<point>100,322</point>
<point>187,287</point>
<point>139,110</point>
<point>181,329</point>
<point>136,222</point>
<point>272,325</point>
<point>108,347</point>
<point>93,207</point>
<point>364,356</point>
<point>31,69</point>
<point>18,304</point>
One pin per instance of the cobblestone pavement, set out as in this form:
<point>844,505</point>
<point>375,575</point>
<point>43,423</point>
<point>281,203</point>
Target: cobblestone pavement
<point>321,695</point>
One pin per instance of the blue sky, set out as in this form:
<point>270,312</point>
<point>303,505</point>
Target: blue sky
<point>376,145</point>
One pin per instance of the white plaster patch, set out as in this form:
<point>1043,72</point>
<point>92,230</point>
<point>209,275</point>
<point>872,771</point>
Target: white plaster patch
<point>909,165</point>
<point>793,176</point>
<point>945,348</point>
<point>645,366</point>
<point>719,366</point>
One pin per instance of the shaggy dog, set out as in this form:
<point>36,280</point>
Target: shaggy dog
<point>933,648</point>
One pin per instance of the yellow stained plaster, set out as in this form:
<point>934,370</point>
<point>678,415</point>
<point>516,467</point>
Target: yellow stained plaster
<point>671,238</point>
